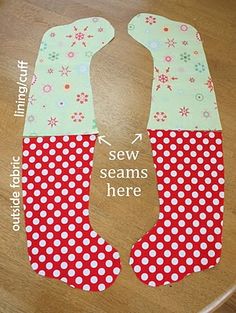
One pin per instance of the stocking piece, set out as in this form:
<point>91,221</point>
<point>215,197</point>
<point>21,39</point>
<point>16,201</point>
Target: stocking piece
<point>186,139</point>
<point>59,138</point>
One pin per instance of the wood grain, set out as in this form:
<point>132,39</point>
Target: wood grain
<point>121,78</point>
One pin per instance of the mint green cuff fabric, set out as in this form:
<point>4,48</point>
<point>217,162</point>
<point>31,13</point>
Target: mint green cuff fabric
<point>60,98</point>
<point>183,94</point>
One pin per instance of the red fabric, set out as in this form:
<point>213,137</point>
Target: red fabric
<point>61,242</point>
<point>188,234</point>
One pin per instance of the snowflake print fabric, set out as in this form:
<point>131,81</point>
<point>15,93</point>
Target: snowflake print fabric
<point>186,139</point>
<point>60,98</point>
<point>180,75</point>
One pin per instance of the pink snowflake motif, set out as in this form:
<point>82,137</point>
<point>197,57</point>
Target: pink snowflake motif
<point>82,97</point>
<point>198,36</point>
<point>150,20</point>
<point>184,111</point>
<point>47,88</point>
<point>52,121</point>
<point>79,36</point>
<point>192,80</point>
<point>34,79</point>
<point>50,71</point>
<point>77,117</point>
<point>171,43</point>
<point>168,58</point>
<point>31,99</point>
<point>70,54</point>
<point>160,116</point>
<point>209,84</point>
<point>164,79</point>
<point>64,70</point>
<point>184,28</point>
<point>185,43</point>
<point>100,29</point>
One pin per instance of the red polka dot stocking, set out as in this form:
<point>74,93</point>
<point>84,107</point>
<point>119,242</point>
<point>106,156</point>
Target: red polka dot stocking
<point>61,242</point>
<point>188,234</point>
<point>185,134</point>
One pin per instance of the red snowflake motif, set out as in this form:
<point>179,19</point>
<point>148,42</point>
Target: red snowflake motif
<point>52,121</point>
<point>184,111</point>
<point>79,36</point>
<point>82,97</point>
<point>150,20</point>
<point>160,116</point>
<point>192,80</point>
<point>164,79</point>
<point>209,84</point>
<point>77,117</point>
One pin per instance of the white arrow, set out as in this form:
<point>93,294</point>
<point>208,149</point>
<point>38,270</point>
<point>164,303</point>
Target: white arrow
<point>101,139</point>
<point>138,137</point>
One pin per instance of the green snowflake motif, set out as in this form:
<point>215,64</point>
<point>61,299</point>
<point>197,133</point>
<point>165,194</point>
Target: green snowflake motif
<point>31,118</point>
<point>185,57</point>
<point>94,126</point>
<point>53,56</point>
<point>206,114</point>
<point>95,19</point>
<point>199,97</point>
<point>131,26</point>
<point>43,46</point>
<point>89,54</point>
<point>200,68</point>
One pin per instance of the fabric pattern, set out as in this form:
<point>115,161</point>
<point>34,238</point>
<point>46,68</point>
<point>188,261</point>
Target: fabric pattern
<point>183,96</point>
<point>187,237</point>
<point>186,139</point>
<point>61,242</point>
<point>60,98</point>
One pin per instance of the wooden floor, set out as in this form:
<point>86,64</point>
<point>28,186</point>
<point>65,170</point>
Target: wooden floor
<point>121,77</point>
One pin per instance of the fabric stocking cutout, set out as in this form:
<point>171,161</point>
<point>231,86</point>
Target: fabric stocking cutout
<point>59,138</point>
<point>186,139</point>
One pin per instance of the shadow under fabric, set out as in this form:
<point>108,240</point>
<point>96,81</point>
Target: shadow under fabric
<point>59,138</point>
<point>186,140</point>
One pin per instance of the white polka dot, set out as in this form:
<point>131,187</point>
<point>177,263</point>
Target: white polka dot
<point>167,269</point>
<point>144,276</point>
